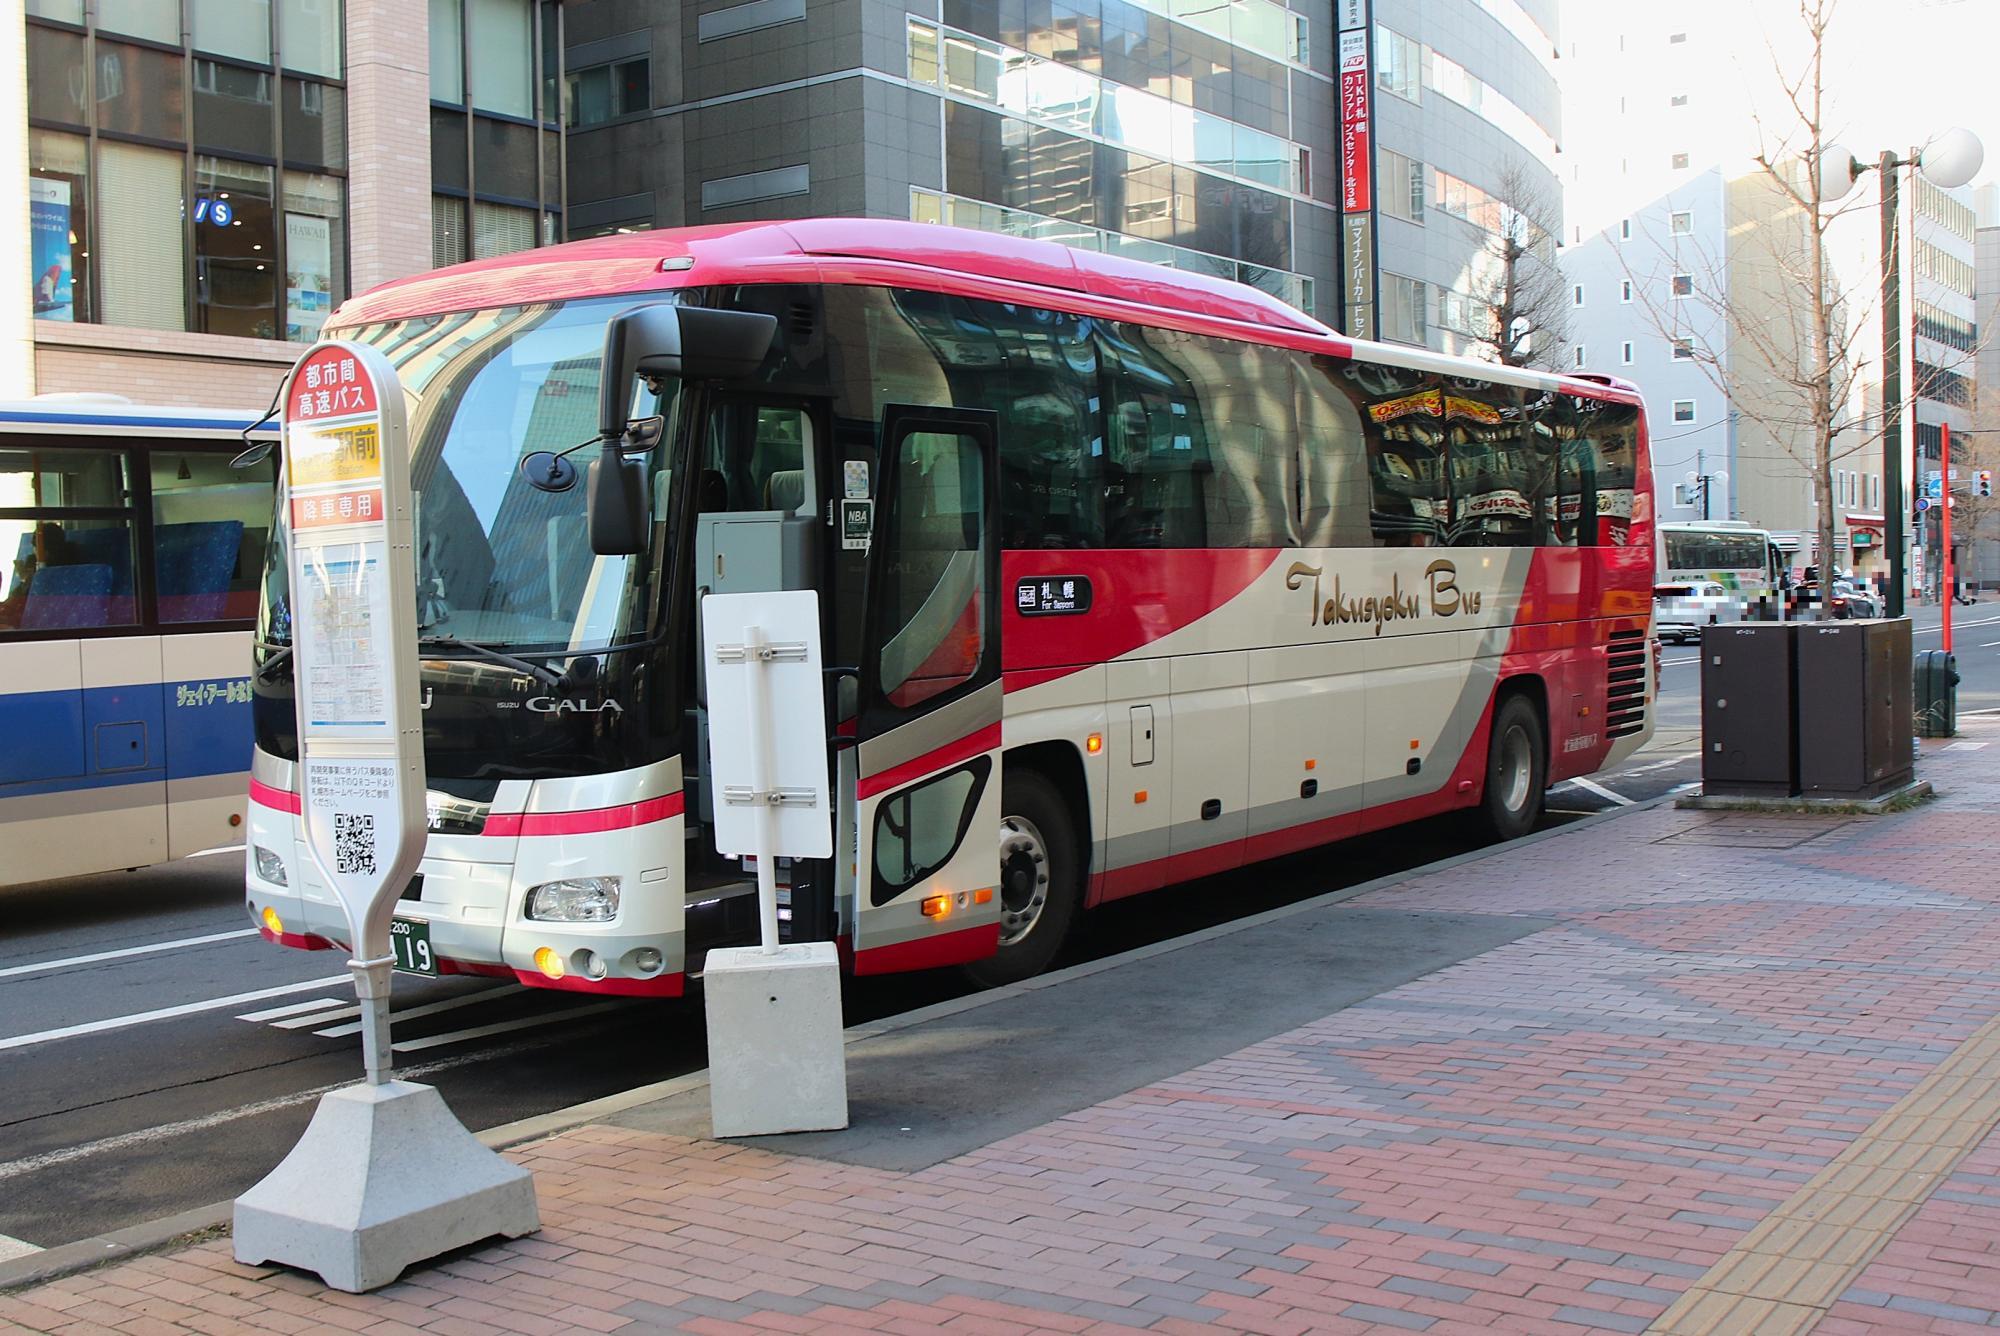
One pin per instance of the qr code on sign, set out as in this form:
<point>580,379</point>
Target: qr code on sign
<point>354,842</point>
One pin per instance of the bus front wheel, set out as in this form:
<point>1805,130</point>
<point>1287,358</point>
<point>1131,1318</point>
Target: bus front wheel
<point>1517,769</point>
<point>1041,880</point>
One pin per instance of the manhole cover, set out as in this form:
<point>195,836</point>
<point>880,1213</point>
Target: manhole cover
<point>1757,832</point>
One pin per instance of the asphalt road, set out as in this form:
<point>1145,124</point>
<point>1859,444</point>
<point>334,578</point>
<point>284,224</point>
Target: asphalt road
<point>158,1056</point>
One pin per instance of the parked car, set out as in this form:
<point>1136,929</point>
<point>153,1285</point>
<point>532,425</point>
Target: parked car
<point>1681,610</point>
<point>1855,600</point>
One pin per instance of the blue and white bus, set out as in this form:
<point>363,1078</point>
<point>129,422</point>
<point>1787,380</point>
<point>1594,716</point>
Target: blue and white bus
<point>131,556</point>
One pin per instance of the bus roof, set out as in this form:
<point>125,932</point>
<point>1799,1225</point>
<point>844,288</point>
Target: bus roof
<point>893,252</point>
<point>82,413</point>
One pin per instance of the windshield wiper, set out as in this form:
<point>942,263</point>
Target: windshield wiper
<point>541,672</point>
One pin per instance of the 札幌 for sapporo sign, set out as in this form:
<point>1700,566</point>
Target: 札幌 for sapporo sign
<point>353,586</point>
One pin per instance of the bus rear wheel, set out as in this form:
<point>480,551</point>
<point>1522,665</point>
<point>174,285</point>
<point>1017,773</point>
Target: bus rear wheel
<point>1517,769</point>
<point>1041,880</point>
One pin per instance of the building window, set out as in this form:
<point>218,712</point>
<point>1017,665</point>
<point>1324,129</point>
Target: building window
<point>1677,39</point>
<point>59,225</point>
<point>448,231</point>
<point>1398,64</point>
<point>1683,410</point>
<point>1678,100</point>
<point>1576,295</point>
<point>1576,357</point>
<point>1681,222</point>
<point>1625,229</point>
<point>1625,353</point>
<point>1625,290</point>
<point>239,29</point>
<point>1680,162</point>
<point>1305,180</point>
<point>607,92</point>
<point>501,229</point>
<point>141,257</point>
<point>1403,309</point>
<point>1301,39</point>
<point>235,249</point>
<point>1683,285</point>
<point>1684,350</point>
<point>1402,186</point>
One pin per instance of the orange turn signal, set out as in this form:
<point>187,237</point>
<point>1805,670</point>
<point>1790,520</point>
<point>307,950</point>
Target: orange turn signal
<point>936,906</point>
<point>1094,743</point>
<point>1311,764</point>
<point>1139,797</point>
<point>982,897</point>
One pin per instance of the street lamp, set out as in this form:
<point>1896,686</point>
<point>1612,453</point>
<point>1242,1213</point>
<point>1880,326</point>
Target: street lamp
<point>1950,160</point>
<point>1702,482</point>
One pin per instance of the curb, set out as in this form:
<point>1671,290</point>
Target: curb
<point>155,1235</point>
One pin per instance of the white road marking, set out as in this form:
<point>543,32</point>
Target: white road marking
<point>1675,663</point>
<point>13,1248</point>
<point>317,1004</point>
<point>503,1027</point>
<point>126,953</point>
<point>1956,626</point>
<point>428,1009</point>
<point>1588,787</point>
<point>147,1135</point>
<point>320,1017</point>
<point>1990,644</point>
<point>1964,746</point>
<point>167,1013</point>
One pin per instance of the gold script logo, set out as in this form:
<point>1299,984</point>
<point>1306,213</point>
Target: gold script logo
<point>1394,604</point>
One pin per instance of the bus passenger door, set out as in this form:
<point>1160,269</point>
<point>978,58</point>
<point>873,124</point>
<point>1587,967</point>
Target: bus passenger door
<point>927,789</point>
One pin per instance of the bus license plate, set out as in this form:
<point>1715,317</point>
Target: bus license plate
<point>410,944</point>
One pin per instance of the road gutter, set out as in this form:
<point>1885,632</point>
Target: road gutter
<point>184,1227</point>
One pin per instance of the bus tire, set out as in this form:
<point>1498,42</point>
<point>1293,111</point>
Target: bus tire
<point>1517,769</point>
<point>1041,880</point>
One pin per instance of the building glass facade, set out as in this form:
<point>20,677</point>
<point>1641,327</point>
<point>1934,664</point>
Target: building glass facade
<point>187,170</point>
<point>496,127</point>
<point>1190,134</point>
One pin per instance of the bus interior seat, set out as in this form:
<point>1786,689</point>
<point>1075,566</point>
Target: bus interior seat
<point>785,490</point>
<point>109,546</point>
<point>195,562</point>
<point>68,596</point>
<point>712,498</point>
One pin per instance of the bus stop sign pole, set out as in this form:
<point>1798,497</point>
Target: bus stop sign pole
<point>384,1175</point>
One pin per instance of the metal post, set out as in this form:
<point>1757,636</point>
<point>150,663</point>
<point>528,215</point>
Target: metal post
<point>1944,537</point>
<point>757,663</point>
<point>1894,502</point>
<point>371,986</point>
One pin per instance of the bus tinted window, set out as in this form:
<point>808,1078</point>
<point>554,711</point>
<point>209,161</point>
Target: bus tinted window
<point>933,592</point>
<point>66,552</point>
<point>210,527</point>
<point>1501,471</point>
<point>1595,474</point>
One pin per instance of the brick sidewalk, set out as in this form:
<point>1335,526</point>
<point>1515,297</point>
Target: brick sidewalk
<point>1746,1082</point>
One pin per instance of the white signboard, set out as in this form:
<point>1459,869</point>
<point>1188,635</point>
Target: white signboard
<point>767,723</point>
<point>354,619</point>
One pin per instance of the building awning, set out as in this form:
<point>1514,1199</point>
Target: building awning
<point>1874,522</point>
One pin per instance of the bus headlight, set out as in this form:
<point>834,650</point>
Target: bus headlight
<point>574,900</point>
<point>269,866</point>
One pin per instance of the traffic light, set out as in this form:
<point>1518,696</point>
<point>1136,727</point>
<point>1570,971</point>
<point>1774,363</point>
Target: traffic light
<point>1982,483</point>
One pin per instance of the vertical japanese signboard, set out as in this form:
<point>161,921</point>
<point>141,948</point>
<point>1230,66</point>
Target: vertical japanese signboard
<point>354,618</point>
<point>1356,90</point>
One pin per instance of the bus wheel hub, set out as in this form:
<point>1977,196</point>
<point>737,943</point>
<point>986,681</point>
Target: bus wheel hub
<point>1024,878</point>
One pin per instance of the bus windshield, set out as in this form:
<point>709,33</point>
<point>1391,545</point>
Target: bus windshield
<point>499,563</point>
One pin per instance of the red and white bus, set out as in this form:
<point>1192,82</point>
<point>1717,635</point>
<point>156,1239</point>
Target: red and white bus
<point>1140,574</point>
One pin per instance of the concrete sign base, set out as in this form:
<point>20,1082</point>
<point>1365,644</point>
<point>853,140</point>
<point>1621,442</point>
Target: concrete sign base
<point>383,1178</point>
<point>776,1060</point>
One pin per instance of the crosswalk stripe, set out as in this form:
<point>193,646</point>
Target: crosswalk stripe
<point>428,1009</point>
<point>317,1004</point>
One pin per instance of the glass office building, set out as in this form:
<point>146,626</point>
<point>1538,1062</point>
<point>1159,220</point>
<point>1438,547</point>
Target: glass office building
<point>209,179</point>
<point>1187,132</point>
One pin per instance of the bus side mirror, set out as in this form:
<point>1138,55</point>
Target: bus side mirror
<point>615,503</point>
<point>688,342</point>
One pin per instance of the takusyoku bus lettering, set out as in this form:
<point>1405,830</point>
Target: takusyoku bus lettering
<point>130,552</point>
<point>1145,574</point>
<point>1446,599</point>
